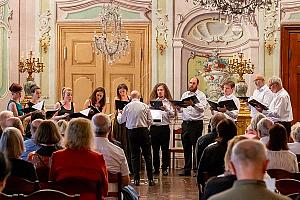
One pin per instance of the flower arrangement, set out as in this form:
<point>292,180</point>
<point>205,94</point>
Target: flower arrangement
<point>215,63</point>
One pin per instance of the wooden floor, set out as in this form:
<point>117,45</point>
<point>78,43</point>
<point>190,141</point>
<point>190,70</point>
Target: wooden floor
<point>169,187</point>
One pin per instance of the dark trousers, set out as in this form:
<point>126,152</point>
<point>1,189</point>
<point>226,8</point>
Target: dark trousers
<point>191,131</point>
<point>139,138</point>
<point>160,138</point>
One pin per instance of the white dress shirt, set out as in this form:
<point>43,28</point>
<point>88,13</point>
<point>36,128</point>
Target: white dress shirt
<point>166,114</point>
<point>283,159</point>
<point>196,112</point>
<point>295,148</point>
<point>280,109</point>
<point>136,115</point>
<point>114,156</point>
<point>263,95</point>
<point>233,115</point>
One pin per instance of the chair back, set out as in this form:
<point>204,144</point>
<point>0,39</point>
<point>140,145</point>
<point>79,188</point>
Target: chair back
<point>17,185</point>
<point>280,174</point>
<point>114,185</point>
<point>87,189</point>
<point>49,194</point>
<point>8,197</point>
<point>294,196</point>
<point>288,186</point>
<point>176,137</point>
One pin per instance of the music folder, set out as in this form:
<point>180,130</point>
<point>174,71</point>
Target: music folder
<point>192,98</point>
<point>50,113</point>
<point>119,105</point>
<point>156,115</point>
<point>179,103</point>
<point>84,113</point>
<point>256,103</point>
<point>229,104</point>
<point>156,105</point>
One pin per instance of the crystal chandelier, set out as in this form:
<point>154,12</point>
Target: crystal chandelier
<point>236,11</point>
<point>112,42</point>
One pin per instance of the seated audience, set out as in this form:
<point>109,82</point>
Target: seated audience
<point>113,155</point>
<point>78,159</point>
<point>35,115</point>
<point>221,183</point>
<point>209,138</point>
<point>62,126</point>
<point>212,159</point>
<point>48,138</point>
<point>11,144</point>
<point>295,134</point>
<point>4,115</point>
<point>4,170</point>
<point>15,122</point>
<point>251,131</point>
<point>263,128</point>
<point>249,163</point>
<point>278,152</point>
<point>30,144</point>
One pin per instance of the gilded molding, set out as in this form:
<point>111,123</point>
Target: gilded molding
<point>45,27</point>
<point>161,31</point>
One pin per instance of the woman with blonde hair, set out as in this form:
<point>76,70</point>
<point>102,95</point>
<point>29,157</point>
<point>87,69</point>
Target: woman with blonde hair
<point>11,144</point>
<point>66,105</point>
<point>78,159</point>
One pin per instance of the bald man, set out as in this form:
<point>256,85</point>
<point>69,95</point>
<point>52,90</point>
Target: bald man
<point>249,163</point>
<point>114,156</point>
<point>262,94</point>
<point>138,119</point>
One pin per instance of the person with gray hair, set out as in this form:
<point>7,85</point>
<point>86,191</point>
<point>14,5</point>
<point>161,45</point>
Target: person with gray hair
<point>4,115</point>
<point>114,156</point>
<point>263,127</point>
<point>14,122</point>
<point>295,134</point>
<point>209,138</point>
<point>280,109</point>
<point>249,163</point>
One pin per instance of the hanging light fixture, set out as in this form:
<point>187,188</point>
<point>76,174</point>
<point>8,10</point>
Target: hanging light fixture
<point>111,41</point>
<point>237,11</point>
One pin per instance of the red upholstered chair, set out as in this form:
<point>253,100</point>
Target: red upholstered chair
<point>114,185</point>
<point>280,174</point>
<point>288,186</point>
<point>17,185</point>
<point>48,194</point>
<point>8,197</point>
<point>294,195</point>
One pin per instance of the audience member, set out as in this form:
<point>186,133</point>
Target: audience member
<point>4,115</point>
<point>278,152</point>
<point>62,126</point>
<point>11,144</point>
<point>251,131</point>
<point>30,144</point>
<point>221,183</point>
<point>4,170</point>
<point>212,159</point>
<point>78,159</point>
<point>113,155</point>
<point>209,138</point>
<point>15,122</point>
<point>248,163</point>
<point>48,138</point>
<point>295,134</point>
<point>38,114</point>
<point>263,128</point>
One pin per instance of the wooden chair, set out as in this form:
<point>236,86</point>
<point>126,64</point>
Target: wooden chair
<point>294,195</point>
<point>49,194</point>
<point>86,188</point>
<point>280,174</point>
<point>17,185</point>
<point>288,186</point>
<point>114,185</point>
<point>8,197</point>
<point>175,149</point>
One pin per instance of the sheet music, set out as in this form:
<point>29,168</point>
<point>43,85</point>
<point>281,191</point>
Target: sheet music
<point>85,112</point>
<point>156,115</point>
<point>39,105</point>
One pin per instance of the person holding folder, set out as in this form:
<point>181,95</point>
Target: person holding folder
<point>228,88</point>
<point>96,100</point>
<point>262,94</point>
<point>65,106</point>
<point>192,124</point>
<point>160,131</point>
<point>36,98</point>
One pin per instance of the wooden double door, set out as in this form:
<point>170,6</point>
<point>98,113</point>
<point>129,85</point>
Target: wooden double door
<point>290,65</point>
<point>82,69</point>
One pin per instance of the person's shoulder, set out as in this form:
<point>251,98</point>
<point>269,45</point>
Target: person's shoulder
<point>227,194</point>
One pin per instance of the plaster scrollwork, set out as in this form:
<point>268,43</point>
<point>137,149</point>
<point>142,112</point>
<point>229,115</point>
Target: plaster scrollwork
<point>271,19</point>
<point>45,27</point>
<point>211,30</point>
<point>161,31</point>
<point>5,21</point>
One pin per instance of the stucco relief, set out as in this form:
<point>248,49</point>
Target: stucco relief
<point>5,19</point>
<point>288,9</point>
<point>210,30</point>
<point>45,27</point>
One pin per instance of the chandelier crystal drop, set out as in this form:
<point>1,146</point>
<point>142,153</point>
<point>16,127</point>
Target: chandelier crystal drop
<point>111,41</point>
<point>237,11</point>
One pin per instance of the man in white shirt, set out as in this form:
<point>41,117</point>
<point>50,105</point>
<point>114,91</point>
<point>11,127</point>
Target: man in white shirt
<point>262,94</point>
<point>138,118</point>
<point>160,131</point>
<point>192,124</point>
<point>228,88</point>
<point>114,156</point>
<point>280,109</point>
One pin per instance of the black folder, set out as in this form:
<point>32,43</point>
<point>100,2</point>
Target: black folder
<point>77,115</point>
<point>229,104</point>
<point>179,103</point>
<point>256,103</point>
<point>192,98</point>
<point>28,110</point>
<point>50,113</point>
<point>119,105</point>
<point>156,105</point>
